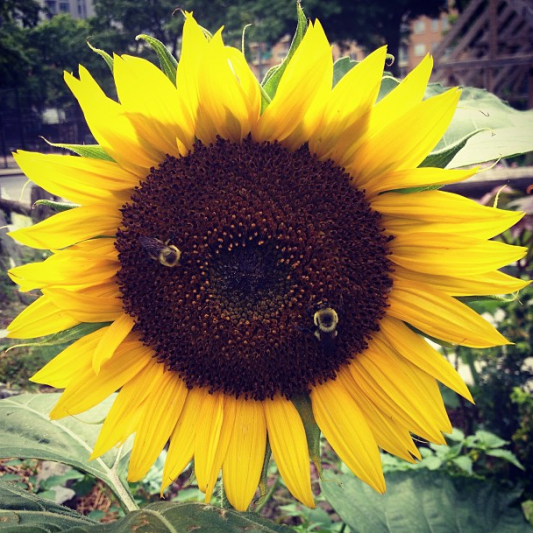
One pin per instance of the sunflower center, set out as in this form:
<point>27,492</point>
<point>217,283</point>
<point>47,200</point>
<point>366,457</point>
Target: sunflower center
<point>252,269</point>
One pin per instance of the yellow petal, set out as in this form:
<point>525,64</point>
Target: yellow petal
<point>286,435</point>
<point>299,86</point>
<point>89,263</point>
<point>211,418</point>
<point>78,179</point>
<point>113,131</point>
<point>390,435</point>
<point>123,417</point>
<point>347,112</point>
<point>70,363</point>
<point>451,255</point>
<point>230,406</point>
<point>53,272</point>
<point>415,177</point>
<point>408,344</point>
<point>40,318</point>
<point>441,316</point>
<point>406,141</point>
<point>89,389</point>
<point>181,449</point>
<point>160,413</point>
<point>246,453</point>
<point>152,104</point>
<point>441,212</point>
<point>191,59</point>
<point>486,284</point>
<point>410,388</point>
<point>112,338</point>
<point>70,227</point>
<point>368,386</point>
<point>346,429</point>
<point>225,107</point>
<point>84,306</point>
<point>404,97</point>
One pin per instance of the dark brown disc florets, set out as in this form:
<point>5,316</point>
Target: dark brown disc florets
<point>266,237</point>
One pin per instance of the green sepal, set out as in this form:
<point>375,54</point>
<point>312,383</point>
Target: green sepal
<point>444,344</point>
<point>168,62</point>
<point>90,151</point>
<point>312,431</point>
<point>273,76</point>
<point>341,67</point>
<point>56,206</point>
<point>263,488</point>
<point>64,337</point>
<point>102,53</point>
<point>411,190</point>
<point>389,60</point>
<point>487,298</point>
<point>440,158</point>
<point>388,83</point>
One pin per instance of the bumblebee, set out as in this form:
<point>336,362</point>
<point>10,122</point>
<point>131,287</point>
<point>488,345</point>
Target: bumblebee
<point>325,320</point>
<point>167,254</point>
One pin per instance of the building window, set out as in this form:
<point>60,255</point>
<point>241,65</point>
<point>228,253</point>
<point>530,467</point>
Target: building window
<point>419,26</point>
<point>420,49</point>
<point>82,11</point>
<point>64,7</point>
<point>445,24</point>
<point>434,25</point>
<point>51,5</point>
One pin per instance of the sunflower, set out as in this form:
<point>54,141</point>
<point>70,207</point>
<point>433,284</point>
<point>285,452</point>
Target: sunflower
<point>260,271</point>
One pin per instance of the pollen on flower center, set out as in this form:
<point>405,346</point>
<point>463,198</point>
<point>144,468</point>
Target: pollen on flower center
<point>267,237</point>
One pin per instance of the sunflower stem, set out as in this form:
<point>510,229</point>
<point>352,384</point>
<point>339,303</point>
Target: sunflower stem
<point>224,502</point>
<point>125,497</point>
<point>265,499</point>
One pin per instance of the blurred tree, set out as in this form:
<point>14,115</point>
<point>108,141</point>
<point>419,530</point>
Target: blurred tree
<point>371,24</point>
<point>25,12</point>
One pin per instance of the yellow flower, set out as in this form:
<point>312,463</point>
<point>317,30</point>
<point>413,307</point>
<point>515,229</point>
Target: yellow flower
<point>248,263</point>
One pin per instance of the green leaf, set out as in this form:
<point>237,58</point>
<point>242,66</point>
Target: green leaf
<point>423,502</point>
<point>91,151</point>
<point>501,130</point>
<point>27,432</point>
<point>63,337</point>
<point>106,57</point>
<point>341,67</point>
<point>168,62</point>
<point>486,439</point>
<point>273,76</point>
<point>507,456</point>
<point>56,206</point>
<point>388,83</point>
<point>464,463</point>
<point>441,158</point>
<point>162,517</point>
<point>22,511</point>
<point>487,298</point>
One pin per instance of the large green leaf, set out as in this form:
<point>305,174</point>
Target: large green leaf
<point>25,512</point>
<point>501,130</point>
<point>423,502</point>
<point>22,511</point>
<point>27,432</point>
